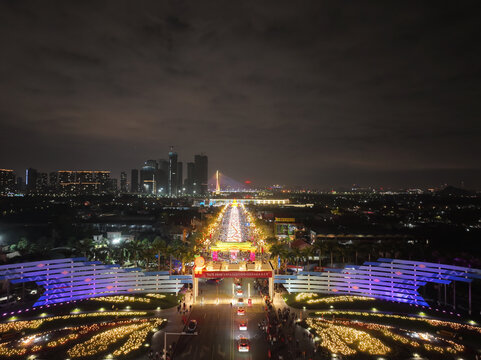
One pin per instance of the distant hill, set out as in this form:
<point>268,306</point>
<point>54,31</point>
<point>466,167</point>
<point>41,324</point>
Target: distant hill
<point>454,191</point>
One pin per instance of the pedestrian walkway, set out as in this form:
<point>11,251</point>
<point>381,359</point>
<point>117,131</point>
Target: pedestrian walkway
<point>176,317</point>
<point>296,342</point>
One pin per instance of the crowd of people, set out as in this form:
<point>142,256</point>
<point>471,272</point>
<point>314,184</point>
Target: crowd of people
<point>285,337</point>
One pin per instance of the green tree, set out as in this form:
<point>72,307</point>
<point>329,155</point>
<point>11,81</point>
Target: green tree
<point>159,246</point>
<point>278,251</point>
<point>320,246</point>
<point>86,246</point>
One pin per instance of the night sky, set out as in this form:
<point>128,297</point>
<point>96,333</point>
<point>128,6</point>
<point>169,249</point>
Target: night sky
<point>291,92</point>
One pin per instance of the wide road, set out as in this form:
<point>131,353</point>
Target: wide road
<point>218,325</point>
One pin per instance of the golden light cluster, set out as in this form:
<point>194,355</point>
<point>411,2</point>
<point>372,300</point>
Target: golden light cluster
<point>303,296</point>
<point>449,346</point>
<point>33,324</point>
<point>32,343</point>
<point>344,340</point>
<point>136,339</point>
<point>121,299</point>
<point>156,296</point>
<point>335,299</point>
<point>101,342</point>
<point>339,337</point>
<point>452,325</point>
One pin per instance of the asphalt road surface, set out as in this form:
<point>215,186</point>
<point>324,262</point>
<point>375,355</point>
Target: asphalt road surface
<point>218,325</point>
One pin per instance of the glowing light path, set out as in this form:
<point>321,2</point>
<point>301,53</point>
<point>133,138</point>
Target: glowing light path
<point>233,229</point>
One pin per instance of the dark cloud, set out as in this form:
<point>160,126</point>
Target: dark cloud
<point>311,92</point>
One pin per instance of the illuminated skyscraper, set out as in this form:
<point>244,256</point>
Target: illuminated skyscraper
<point>189,181</point>
<point>172,185</point>
<point>53,181</point>
<point>123,182</point>
<point>163,177</point>
<point>148,177</point>
<point>31,179</point>
<point>42,182</point>
<point>90,182</point>
<point>180,177</point>
<point>7,181</point>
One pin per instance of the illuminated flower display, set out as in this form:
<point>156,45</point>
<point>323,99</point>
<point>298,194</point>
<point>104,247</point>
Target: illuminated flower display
<point>119,337</point>
<point>349,337</point>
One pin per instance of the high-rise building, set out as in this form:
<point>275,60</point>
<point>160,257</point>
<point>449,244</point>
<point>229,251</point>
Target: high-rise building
<point>163,177</point>
<point>88,182</point>
<point>112,185</point>
<point>172,185</point>
<point>20,184</point>
<point>31,179</point>
<point>123,182</point>
<point>201,174</point>
<point>134,181</point>
<point>189,180</point>
<point>180,177</point>
<point>42,183</point>
<point>148,177</point>
<point>7,181</point>
<point>53,181</point>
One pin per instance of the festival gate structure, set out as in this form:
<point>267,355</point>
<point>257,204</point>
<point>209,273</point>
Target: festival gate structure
<point>77,278</point>
<point>387,279</point>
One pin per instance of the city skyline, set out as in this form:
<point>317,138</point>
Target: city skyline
<point>334,95</point>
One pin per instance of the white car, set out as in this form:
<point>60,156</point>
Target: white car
<point>243,345</point>
<point>243,326</point>
<point>240,301</point>
<point>241,311</point>
<point>239,292</point>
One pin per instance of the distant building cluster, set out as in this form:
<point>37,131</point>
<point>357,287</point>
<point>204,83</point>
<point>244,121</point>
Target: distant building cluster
<point>163,177</point>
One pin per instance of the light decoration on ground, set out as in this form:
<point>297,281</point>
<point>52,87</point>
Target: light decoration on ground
<point>33,324</point>
<point>121,299</point>
<point>33,343</point>
<point>345,340</point>
<point>137,338</point>
<point>156,296</point>
<point>101,342</point>
<point>433,322</point>
<point>387,331</point>
<point>303,296</point>
<point>336,299</point>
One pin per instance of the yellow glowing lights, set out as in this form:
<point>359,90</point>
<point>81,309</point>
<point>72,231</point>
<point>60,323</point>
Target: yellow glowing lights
<point>121,299</point>
<point>346,341</point>
<point>329,300</point>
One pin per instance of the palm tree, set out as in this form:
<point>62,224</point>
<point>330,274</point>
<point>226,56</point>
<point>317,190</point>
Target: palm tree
<point>296,254</point>
<point>331,247</point>
<point>279,251</point>
<point>307,253</point>
<point>160,247</point>
<point>170,251</point>
<point>135,248</point>
<point>102,250</point>
<point>85,246</point>
<point>320,246</point>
